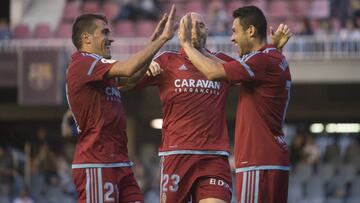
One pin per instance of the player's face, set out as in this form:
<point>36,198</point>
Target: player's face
<point>102,39</point>
<point>198,39</point>
<point>240,37</point>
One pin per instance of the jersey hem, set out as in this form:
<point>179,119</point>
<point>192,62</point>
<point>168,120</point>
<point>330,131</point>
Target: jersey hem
<point>265,167</point>
<point>195,152</point>
<point>95,165</point>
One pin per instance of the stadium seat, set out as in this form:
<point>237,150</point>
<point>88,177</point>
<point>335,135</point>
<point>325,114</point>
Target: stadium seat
<point>216,4</point>
<point>319,9</point>
<point>64,30</point>
<point>295,189</point>
<point>300,8</point>
<point>194,6</point>
<point>234,4</point>
<point>145,28</point>
<point>21,31</point>
<point>42,30</point>
<point>71,11</point>
<point>262,4</point>
<point>279,9</point>
<point>90,7</point>
<point>111,9</point>
<point>125,28</point>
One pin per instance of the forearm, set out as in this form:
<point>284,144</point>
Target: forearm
<point>211,68</point>
<point>141,59</point>
<point>132,81</point>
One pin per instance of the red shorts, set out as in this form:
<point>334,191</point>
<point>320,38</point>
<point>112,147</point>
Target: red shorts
<point>262,186</point>
<point>191,178</point>
<point>97,185</point>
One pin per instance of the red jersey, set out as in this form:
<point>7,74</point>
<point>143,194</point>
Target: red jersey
<point>264,95</point>
<point>98,113</point>
<point>194,120</point>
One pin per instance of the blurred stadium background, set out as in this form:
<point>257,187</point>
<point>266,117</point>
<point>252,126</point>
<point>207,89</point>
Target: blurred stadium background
<point>37,137</point>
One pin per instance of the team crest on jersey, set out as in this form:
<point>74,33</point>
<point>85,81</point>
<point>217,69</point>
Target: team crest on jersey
<point>183,67</point>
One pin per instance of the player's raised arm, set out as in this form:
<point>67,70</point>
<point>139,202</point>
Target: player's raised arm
<point>130,66</point>
<point>212,69</point>
<point>281,36</point>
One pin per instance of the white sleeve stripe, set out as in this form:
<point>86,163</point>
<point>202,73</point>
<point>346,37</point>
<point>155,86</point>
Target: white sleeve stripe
<point>269,49</point>
<point>93,66</point>
<point>247,68</point>
<point>164,52</point>
<point>257,186</point>
<point>95,56</point>
<point>246,58</point>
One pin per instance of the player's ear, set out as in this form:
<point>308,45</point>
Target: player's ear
<point>251,31</point>
<point>86,38</point>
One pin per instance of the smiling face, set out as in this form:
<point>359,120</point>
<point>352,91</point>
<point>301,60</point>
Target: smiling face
<point>100,41</point>
<point>241,38</point>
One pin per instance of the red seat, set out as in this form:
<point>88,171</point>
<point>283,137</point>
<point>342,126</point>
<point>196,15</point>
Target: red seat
<point>64,30</point>
<point>111,9</point>
<point>21,31</point>
<point>145,28</point>
<point>91,7</point>
<point>233,5</point>
<point>71,11</point>
<point>279,9</point>
<point>320,9</point>
<point>194,6</point>
<point>125,28</point>
<point>42,30</point>
<point>262,4</point>
<point>300,8</point>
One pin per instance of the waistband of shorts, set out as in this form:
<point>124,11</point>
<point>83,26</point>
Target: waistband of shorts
<point>102,165</point>
<point>195,152</point>
<point>262,167</point>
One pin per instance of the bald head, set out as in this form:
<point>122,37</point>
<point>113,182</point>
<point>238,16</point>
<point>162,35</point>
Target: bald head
<point>198,40</point>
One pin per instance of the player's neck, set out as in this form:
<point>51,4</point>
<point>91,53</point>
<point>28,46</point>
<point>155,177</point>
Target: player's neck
<point>258,44</point>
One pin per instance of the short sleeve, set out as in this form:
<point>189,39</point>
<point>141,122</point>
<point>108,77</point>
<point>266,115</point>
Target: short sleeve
<point>97,68</point>
<point>154,80</point>
<point>249,68</point>
<point>224,56</point>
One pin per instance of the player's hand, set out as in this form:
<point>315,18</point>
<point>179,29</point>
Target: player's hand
<point>185,31</point>
<point>195,34</point>
<point>170,26</point>
<point>154,69</point>
<point>281,36</point>
<point>159,28</point>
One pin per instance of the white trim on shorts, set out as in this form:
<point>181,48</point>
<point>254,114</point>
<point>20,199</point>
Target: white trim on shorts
<point>93,187</point>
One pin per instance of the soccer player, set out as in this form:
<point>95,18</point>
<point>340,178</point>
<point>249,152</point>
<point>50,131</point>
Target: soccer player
<point>261,154</point>
<point>101,167</point>
<point>194,147</point>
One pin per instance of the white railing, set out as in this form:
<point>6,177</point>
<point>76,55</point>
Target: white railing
<point>298,48</point>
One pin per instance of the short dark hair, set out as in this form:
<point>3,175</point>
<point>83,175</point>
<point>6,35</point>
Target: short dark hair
<point>252,15</point>
<point>84,23</point>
